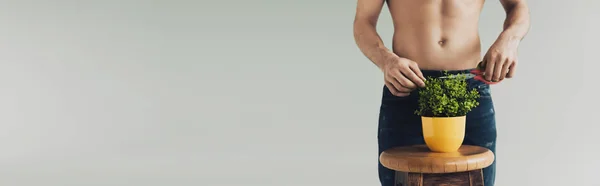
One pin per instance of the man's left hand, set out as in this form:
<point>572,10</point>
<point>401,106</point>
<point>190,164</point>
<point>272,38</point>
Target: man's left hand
<point>501,59</point>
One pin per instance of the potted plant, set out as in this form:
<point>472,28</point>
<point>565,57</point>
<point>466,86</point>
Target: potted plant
<point>443,105</point>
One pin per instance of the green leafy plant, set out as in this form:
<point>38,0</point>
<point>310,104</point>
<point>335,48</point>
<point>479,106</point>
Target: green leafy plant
<point>446,97</point>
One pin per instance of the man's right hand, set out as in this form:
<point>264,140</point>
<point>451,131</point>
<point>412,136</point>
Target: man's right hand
<point>402,76</point>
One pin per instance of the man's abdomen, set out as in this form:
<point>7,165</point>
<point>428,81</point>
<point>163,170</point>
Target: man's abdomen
<point>438,35</point>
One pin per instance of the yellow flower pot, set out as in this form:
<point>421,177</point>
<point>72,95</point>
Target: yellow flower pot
<point>444,134</point>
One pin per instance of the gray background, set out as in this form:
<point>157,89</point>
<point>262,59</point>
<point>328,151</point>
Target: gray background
<point>258,93</point>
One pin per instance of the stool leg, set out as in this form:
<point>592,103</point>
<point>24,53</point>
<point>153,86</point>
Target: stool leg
<point>448,179</point>
<point>470,178</point>
<point>476,177</point>
<point>408,179</point>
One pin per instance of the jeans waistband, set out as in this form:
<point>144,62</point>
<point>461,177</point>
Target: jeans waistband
<point>440,73</point>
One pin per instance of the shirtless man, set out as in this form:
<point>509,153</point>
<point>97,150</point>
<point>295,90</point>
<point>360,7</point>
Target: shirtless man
<point>432,36</point>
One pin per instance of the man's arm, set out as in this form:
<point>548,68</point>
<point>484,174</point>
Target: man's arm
<point>401,75</point>
<point>365,32</point>
<point>501,58</point>
<point>516,24</point>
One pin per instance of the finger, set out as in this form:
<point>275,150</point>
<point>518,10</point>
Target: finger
<point>511,70</point>
<point>479,78</point>
<point>394,91</point>
<point>489,69</point>
<point>402,89</point>
<point>498,70</point>
<point>405,82</point>
<point>481,64</point>
<point>398,86</point>
<point>505,70</point>
<point>412,76</point>
<point>415,68</point>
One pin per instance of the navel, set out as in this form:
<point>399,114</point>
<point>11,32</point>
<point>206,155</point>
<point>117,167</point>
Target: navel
<point>442,42</point>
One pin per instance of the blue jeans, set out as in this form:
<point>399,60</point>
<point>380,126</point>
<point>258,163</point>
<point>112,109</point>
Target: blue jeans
<point>399,126</point>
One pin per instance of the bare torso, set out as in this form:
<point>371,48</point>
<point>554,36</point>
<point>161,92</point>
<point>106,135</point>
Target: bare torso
<point>437,34</point>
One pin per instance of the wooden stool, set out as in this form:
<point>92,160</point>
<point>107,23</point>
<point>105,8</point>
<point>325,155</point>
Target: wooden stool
<point>418,166</point>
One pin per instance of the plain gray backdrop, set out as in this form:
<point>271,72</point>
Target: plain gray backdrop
<point>259,93</point>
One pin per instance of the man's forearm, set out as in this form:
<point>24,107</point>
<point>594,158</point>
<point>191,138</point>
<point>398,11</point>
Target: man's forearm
<point>370,44</point>
<point>517,20</point>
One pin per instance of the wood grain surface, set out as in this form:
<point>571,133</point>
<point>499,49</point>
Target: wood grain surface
<point>419,159</point>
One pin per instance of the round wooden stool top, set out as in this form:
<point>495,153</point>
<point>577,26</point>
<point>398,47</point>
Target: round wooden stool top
<point>419,159</point>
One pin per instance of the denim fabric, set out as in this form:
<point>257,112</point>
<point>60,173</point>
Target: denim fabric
<point>399,126</point>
